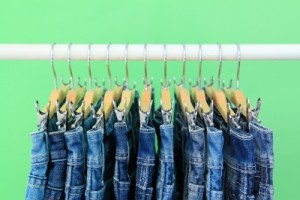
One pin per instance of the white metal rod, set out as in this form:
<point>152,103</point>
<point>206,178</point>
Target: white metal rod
<point>154,51</point>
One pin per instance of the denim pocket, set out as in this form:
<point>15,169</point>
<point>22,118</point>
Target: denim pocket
<point>195,192</point>
<point>149,192</point>
<point>75,192</point>
<point>94,195</point>
<point>121,189</point>
<point>266,192</point>
<point>214,195</point>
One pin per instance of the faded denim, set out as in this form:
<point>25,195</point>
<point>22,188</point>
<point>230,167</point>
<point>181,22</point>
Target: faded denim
<point>190,158</point>
<point>75,180</point>
<point>121,175</point>
<point>180,133</point>
<point>39,162</point>
<point>195,164</point>
<point>165,187</point>
<point>126,135</point>
<point>263,140</point>
<point>214,163</point>
<point>57,166</point>
<point>239,157</point>
<point>57,162</point>
<point>95,165</point>
<point>101,147</point>
<point>145,163</point>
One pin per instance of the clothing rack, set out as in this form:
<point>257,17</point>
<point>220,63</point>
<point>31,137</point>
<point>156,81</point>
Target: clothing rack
<point>154,51</point>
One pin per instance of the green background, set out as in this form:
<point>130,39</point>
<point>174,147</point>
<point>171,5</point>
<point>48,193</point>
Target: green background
<point>231,21</point>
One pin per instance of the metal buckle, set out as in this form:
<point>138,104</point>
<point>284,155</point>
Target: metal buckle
<point>61,117</point>
<point>191,117</point>
<point>208,117</point>
<point>233,120</point>
<point>42,116</point>
<point>166,114</point>
<point>252,115</point>
<point>120,114</point>
<point>99,118</point>
<point>144,116</point>
<point>76,117</point>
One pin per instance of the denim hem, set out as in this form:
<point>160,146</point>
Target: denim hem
<point>241,168</point>
<point>37,132</point>
<point>167,126</point>
<point>147,129</point>
<point>166,157</point>
<point>261,129</point>
<point>94,131</point>
<point>240,134</point>
<point>214,131</point>
<point>77,130</point>
<point>215,165</point>
<point>54,188</point>
<point>214,195</point>
<point>56,133</point>
<point>196,131</point>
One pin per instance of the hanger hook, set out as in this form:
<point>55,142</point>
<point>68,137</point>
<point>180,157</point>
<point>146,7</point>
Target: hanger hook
<point>239,66</point>
<point>89,65</point>
<point>200,58</point>
<point>145,66</point>
<point>165,83</point>
<point>52,64</point>
<point>183,64</point>
<point>108,66</point>
<point>69,65</point>
<point>220,65</point>
<point>126,65</point>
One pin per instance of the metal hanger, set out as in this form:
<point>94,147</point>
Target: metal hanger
<point>181,92</point>
<point>109,96</point>
<point>127,94</point>
<point>204,110</point>
<point>146,101</point>
<point>147,91</point>
<point>92,96</point>
<point>218,95</point>
<point>252,114</point>
<point>209,88</point>
<point>42,116</point>
<point>184,97</point>
<point>62,115</point>
<point>73,95</point>
<point>197,93</point>
<point>236,96</point>
<point>56,94</point>
<point>165,101</point>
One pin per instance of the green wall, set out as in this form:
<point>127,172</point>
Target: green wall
<point>231,21</point>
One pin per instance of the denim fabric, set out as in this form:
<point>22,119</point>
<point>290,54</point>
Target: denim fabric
<point>57,166</point>
<point>263,140</point>
<point>180,133</point>
<point>110,153</point>
<point>95,165</point>
<point>195,164</point>
<point>145,163</point>
<point>58,161</point>
<point>75,180</point>
<point>100,161</point>
<point>39,161</point>
<point>121,177</point>
<point>239,160</point>
<point>214,163</point>
<point>166,176</point>
<point>126,135</point>
<point>166,173</point>
<point>190,158</point>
